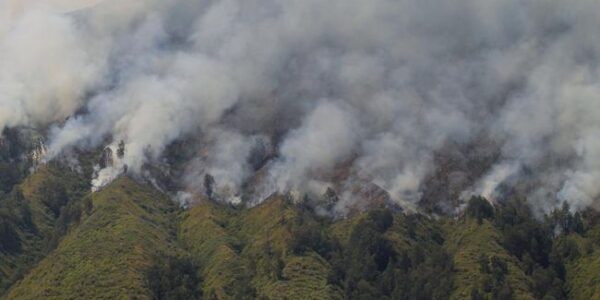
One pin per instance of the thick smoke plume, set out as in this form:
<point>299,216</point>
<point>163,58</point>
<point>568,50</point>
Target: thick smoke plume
<point>304,96</point>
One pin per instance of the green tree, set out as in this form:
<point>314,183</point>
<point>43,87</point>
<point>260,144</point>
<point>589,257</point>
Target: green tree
<point>479,208</point>
<point>174,278</point>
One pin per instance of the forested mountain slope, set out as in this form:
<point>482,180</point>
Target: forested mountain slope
<point>128,240</point>
<point>106,256</point>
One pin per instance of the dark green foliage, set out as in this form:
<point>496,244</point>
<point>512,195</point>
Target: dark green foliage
<point>9,238</point>
<point>504,292</point>
<point>565,249</point>
<point>370,252</point>
<point>370,268</point>
<point>563,221</point>
<point>15,218</point>
<point>31,228</point>
<point>69,214</point>
<point>173,278</point>
<point>376,255</point>
<point>479,208</point>
<point>14,214</point>
<point>476,294</point>
<point>522,234</point>
<point>410,223</point>
<point>13,208</point>
<point>498,268</point>
<point>494,282</point>
<point>9,176</point>
<point>531,241</point>
<point>13,164</point>
<point>382,219</point>
<point>547,284</point>
<point>54,196</point>
<point>270,264</point>
<point>308,234</point>
<point>429,279</point>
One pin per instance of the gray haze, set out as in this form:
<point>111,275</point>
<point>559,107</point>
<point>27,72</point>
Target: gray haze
<point>304,95</point>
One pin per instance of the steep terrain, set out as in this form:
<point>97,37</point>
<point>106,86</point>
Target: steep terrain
<point>582,270</point>
<point>106,255</point>
<point>35,215</point>
<point>469,243</point>
<point>129,241</point>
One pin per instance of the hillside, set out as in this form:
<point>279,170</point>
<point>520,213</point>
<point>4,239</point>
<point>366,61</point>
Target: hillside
<point>34,216</point>
<point>106,255</point>
<point>130,241</point>
<point>469,242</point>
<point>294,149</point>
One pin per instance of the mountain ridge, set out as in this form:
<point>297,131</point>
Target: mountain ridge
<point>129,240</point>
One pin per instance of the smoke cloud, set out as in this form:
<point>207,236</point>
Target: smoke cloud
<point>45,66</point>
<point>304,96</point>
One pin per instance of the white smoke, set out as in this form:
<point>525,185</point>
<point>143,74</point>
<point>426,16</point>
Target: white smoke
<point>46,66</point>
<point>225,160</point>
<point>327,135</point>
<point>488,185</point>
<point>343,92</point>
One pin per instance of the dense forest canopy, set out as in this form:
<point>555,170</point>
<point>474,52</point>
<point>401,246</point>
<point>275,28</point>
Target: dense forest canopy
<point>52,230</point>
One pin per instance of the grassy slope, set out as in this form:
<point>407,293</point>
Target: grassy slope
<point>583,277</point>
<point>266,230</point>
<point>35,238</point>
<point>105,255</point>
<point>583,274</point>
<point>241,252</point>
<point>251,248</point>
<point>466,241</point>
<point>32,188</point>
<point>204,234</point>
